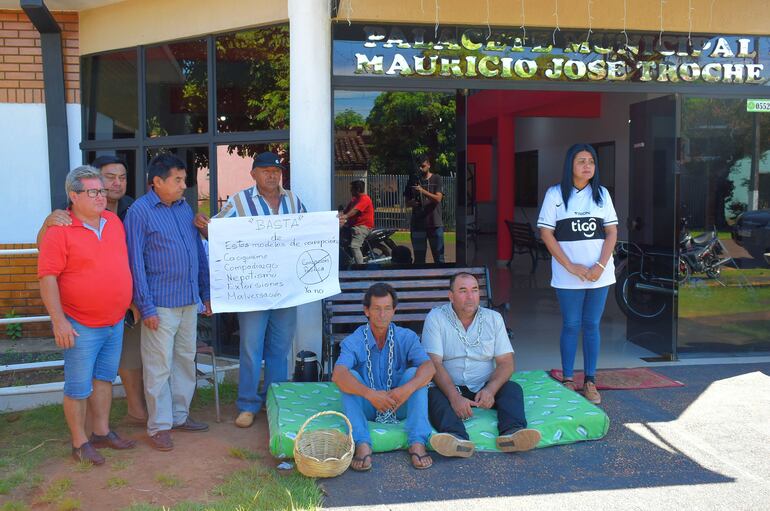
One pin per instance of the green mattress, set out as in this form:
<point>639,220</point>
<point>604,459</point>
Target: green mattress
<point>561,416</point>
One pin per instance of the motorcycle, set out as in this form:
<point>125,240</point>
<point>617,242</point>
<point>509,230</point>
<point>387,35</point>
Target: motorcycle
<point>700,254</point>
<point>645,280</point>
<point>377,247</point>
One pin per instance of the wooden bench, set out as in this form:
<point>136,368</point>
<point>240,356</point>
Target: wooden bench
<point>524,241</point>
<point>419,290</point>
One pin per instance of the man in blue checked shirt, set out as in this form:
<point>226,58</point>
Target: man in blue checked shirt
<point>171,280</point>
<point>265,335</point>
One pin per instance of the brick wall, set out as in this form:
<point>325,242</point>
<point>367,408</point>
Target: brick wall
<point>21,81</point>
<point>21,61</point>
<point>20,291</point>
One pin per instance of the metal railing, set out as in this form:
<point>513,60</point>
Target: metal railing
<point>22,319</point>
<point>387,193</point>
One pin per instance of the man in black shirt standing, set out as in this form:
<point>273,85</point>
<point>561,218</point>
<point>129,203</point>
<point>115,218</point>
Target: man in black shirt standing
<point>424,195</point>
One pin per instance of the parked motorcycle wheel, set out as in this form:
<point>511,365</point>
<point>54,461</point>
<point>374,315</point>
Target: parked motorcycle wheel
<point>379,251</point>
<point>634,302</point>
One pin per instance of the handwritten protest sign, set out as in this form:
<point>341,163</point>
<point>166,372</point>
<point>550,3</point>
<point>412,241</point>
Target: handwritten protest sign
<point>271,262</point>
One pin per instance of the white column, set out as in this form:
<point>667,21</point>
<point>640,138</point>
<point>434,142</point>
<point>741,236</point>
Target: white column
<point>310,126</point>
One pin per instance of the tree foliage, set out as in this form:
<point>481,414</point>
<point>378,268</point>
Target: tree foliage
<point>404,125</point>
<point>349,119</point>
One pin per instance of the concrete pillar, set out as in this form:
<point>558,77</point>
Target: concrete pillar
<point>506,178</point>
<point>310,125</point>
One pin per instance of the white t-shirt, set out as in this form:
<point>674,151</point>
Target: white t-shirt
<point>469,363</point>
<point>580,233</point>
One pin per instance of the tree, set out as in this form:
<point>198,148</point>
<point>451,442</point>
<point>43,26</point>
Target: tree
<point>349,119</point>
<point>407,124</point>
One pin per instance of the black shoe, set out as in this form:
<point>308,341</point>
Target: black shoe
<point>191,426</point>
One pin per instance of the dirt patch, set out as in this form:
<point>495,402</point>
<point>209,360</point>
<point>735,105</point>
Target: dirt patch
<point>198,463</point>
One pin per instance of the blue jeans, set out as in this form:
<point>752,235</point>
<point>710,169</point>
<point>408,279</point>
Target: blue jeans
<point>265,335</point>
<point>581,310</point>
<point>421,238</point>
<point>95,356</point>
<point>359,411</point>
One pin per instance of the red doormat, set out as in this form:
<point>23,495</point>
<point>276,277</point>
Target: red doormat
<point>623,379</point>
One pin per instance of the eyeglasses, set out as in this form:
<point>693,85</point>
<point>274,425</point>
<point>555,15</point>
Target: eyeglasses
<point>94,192</point>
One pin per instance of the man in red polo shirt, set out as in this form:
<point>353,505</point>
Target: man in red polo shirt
<point>359,217</point>
<point>74,266</point>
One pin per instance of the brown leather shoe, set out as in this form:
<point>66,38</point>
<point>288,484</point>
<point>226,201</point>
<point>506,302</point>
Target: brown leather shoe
<point>162,441</point>
<point>191,426</point>
<point>111,440</point>
<point>87,453</point>
<point>590,392</point>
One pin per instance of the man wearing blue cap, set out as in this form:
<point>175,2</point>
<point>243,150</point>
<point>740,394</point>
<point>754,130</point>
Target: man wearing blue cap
<point>265,335</point>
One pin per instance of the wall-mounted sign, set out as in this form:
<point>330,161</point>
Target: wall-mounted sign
<point>758,105</point>
<point>508,54</point>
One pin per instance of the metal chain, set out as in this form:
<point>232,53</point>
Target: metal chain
<point>461,332</point>
<point>388,416</point>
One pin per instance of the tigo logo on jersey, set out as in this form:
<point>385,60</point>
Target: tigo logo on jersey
<point>587,228</point>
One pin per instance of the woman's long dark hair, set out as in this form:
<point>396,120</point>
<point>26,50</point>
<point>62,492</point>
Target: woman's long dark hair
<point>566,178</point>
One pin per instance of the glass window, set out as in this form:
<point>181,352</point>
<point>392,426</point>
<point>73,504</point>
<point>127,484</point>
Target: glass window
<point>176,88</point>
<point>128,156</point>
<point>253,79</point>
<point>196,160</point>
<point>379,136</point>
<point>526,179</point>
<point>724,292</point>
<point>234,167</point>
<point>110,95</point>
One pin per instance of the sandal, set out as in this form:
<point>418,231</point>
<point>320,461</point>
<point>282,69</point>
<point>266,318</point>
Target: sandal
<point>362,459</point>
<point>419,459</point>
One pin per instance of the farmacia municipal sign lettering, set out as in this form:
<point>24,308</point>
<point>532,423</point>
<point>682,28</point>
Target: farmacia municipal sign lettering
<point>476,54</point>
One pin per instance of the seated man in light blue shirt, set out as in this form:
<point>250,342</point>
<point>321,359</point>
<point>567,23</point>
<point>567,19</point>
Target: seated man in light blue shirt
<point>473,357</point>
<point>382,373</point>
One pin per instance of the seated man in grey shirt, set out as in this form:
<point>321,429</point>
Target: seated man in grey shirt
<point>473,356</point>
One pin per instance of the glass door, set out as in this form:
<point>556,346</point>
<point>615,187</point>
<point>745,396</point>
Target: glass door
<point>646,270</point>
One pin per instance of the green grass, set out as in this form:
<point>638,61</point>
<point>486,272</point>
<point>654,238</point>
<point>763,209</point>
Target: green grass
<point>168,481</point>
<point>722,301</point>
<point>68,504</point>
<point>38,435</point>
<point>14,506</point>
<point>113,483</point>
<point>255,489</point>
<point>403,237</point>
<point>204,397</point>
<point>244,454</point>
<point>56,490</point>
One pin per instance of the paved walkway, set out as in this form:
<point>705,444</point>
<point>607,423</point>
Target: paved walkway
<point>702,446</point>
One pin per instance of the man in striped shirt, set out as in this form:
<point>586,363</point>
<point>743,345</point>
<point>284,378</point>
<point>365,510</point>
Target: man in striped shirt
<point>265,335</point>
<point>171,280</point>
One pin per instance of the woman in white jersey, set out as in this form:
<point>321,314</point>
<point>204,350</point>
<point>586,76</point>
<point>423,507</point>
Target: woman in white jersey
<point>579,227</point>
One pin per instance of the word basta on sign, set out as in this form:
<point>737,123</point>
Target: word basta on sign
<point>481,53</point>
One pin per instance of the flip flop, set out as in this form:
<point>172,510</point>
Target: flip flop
<point>362,459</point>
<point>419,459</point>
<point>446,444</point>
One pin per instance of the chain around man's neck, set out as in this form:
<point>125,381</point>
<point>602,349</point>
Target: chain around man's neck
<point>462,333</point>
<point>388,416</point>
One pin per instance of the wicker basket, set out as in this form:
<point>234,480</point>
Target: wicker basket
<point>323,452</point>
